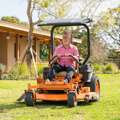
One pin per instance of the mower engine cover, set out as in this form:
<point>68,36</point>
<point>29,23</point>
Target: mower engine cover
<point>87,72</point>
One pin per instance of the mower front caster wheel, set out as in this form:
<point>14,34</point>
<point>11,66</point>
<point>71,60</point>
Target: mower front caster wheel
<point>29,99</point>
<point>72,101</point>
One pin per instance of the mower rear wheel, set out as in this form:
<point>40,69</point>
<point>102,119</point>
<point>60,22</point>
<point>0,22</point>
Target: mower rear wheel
<point>94,87</point>
<point>72,101</point>
<point>29,99</point>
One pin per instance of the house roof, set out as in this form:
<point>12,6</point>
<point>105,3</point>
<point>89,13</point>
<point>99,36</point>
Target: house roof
<point>117,51</point>
<point>20,29</point>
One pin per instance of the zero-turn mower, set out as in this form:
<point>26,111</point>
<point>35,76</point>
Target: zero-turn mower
<point>84,85</point>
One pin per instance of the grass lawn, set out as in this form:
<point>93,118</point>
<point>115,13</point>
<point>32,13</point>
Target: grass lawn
<point>107,108</point>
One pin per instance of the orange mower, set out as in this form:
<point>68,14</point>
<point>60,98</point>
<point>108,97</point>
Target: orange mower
<point>84,85</point>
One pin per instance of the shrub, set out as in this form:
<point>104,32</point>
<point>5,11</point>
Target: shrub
<point>107,69</point>
<point>118,72</point>
<point>103,68</point>
<point>96,67</point>
<point>2,66</point>
<point>40,67</point>
<point>111,68</point>
<point>22,72</point>
<point>19,72</point>
<point>6,77</point>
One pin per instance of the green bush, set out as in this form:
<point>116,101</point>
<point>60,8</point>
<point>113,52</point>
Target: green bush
<point>111,68</point>
<point>103,68</point>
<point>118,72</point>
<point>40,67</point>
<point>22,72</point>
<point>2,66</point>
<point>96,67</point>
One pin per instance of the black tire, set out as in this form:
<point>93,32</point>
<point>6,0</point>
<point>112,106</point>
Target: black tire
<point>29,99</point>
<point>72,102</point>
<point>94,87</point>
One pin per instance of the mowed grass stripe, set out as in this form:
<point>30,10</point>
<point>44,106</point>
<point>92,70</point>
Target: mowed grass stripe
<point>108,108</point>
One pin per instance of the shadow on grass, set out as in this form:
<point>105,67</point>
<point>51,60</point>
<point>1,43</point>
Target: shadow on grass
<point>60,104</point>
<point>12,106</point>
<point>42,105</point>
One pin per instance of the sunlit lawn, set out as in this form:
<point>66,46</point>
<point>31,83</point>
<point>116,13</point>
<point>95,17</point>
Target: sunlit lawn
<point>107,108</point>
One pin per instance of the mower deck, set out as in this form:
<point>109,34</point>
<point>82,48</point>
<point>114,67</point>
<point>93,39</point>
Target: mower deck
<point>63,97</point>
<point>43,91</point>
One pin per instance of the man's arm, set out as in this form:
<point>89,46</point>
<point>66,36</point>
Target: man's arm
<point>56,58</point>
<point>75,58</point>
<point>67,55</point>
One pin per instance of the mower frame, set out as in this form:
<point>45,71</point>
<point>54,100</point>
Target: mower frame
<point>85,85</point>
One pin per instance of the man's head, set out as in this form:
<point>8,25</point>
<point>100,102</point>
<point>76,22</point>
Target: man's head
<point>66,38</point>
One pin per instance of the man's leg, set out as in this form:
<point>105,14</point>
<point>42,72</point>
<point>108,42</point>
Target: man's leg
<point>54,69</point>
<point>70,70</point>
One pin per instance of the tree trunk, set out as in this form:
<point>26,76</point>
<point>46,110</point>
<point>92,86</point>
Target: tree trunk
<point>30,33</point>
<point>72,38</point>
<point>29,56</point>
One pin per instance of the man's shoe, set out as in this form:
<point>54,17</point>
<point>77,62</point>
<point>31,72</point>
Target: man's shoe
<point>47,80</point>
<point>65,81</point>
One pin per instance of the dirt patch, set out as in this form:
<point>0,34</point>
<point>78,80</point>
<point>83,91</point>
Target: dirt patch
<point>5,117</point>
<point>45,116</point>
<point>56,115</point>
<point>78,113</point>
<point>1,111</point>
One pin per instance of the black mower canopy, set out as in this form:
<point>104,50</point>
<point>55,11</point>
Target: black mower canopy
<point>67,21</point>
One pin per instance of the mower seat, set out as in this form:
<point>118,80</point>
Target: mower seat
<point>63,73</point>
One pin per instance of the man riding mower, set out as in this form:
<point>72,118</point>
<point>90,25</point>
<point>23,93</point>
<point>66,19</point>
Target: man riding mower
<point>61,83</point>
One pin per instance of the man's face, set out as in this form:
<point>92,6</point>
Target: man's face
<point>66,39</point>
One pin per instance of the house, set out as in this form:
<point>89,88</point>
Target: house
<point>13,41</point>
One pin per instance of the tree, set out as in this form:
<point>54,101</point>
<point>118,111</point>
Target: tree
<point>45,11</point>
<point>108,27</point>
<point>57,9</point>
<point>113,54</point>
<point>82,47</point>
<point>87,9</point>
<point>99,52</point>
<point>44,51</point>
<point>13,19</point>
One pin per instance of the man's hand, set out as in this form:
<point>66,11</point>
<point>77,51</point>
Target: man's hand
<point>67,55</point>
<point>59,55</point>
